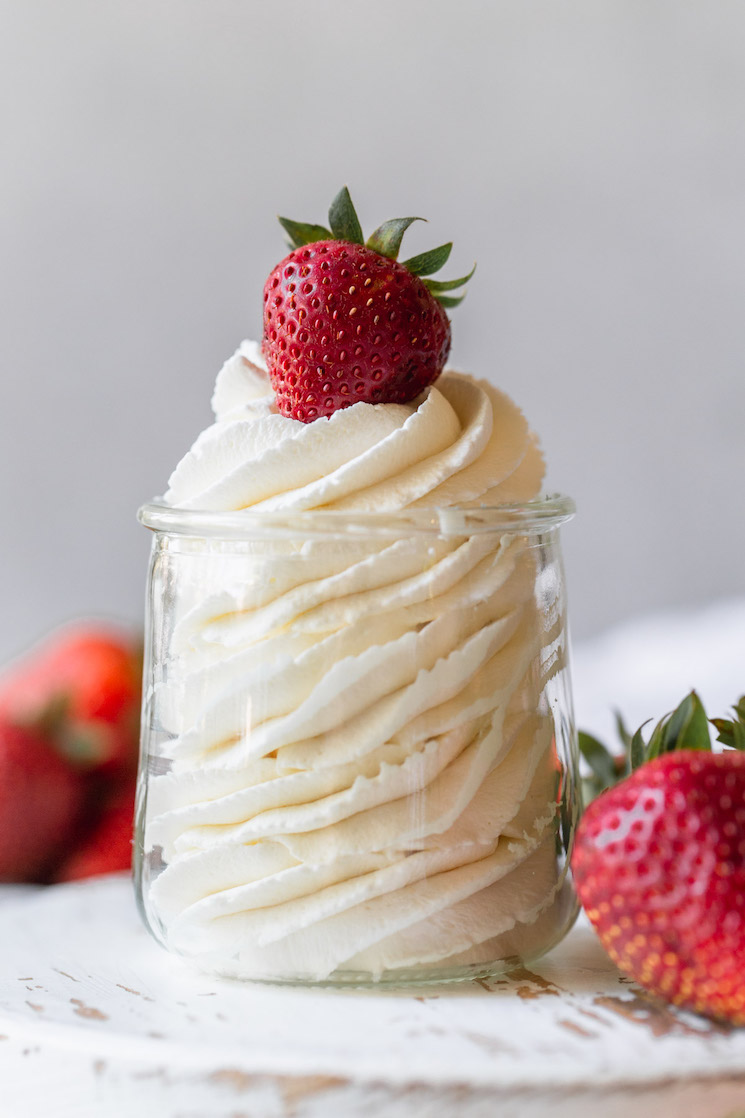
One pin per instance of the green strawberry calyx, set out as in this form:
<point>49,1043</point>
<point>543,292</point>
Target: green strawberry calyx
<point>731,732</point>
<point>83,742</point>
<point>344,225</point>
<point>686,727</point>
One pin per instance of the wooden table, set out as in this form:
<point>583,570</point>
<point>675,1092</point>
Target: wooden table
<point>96,1021</point>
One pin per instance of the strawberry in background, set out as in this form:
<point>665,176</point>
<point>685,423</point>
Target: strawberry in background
<point>83,686</point>
<point>69,729</point>
<point>659,858</point>
<point>107,846</point>
<point>42,804</point>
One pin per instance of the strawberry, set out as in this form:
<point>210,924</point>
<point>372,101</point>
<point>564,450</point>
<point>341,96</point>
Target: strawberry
<point>659,865</point>
<point>345,322</point>
<point>41,800</point>
<point>83,685</point>
<point>107,848</point>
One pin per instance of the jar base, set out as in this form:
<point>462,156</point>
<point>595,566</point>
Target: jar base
<point>562,916</point>
<point>390,981</point>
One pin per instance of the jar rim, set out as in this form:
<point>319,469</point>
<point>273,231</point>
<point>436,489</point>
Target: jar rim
<point>529,517</point>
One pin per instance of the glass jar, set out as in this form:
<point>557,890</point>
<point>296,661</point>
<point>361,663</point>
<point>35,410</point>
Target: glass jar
<point>358,758</point>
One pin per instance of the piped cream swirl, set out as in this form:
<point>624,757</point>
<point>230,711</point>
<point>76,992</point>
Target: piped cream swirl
<point>360,765</point>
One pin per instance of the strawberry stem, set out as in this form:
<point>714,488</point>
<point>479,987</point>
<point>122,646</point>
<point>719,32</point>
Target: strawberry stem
<point>731,732</point>
<point>386,241</point>
<point>300,233</point>
<point>448,285</point>
<point>345,225</point>
<point>387,237</point>
<point>428,262</point>
<point>686,727</point>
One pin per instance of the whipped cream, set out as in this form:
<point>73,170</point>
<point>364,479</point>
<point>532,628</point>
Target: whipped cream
<point>360,765</point>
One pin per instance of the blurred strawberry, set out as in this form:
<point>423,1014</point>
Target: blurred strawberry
<point>41,800</point>
<point>83,686</point>
<point>107,848</point>
<point>659,860</point>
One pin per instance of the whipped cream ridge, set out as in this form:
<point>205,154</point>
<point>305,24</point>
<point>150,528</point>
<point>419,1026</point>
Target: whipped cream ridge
<point>360,774</point>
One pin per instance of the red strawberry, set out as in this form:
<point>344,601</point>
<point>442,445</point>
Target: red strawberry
<point>41,799</point>
<point>108,847</point>
<point>659,864</point>
<point>83,684</point>
<point>344,322</point>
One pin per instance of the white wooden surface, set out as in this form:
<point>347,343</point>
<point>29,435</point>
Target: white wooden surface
<point>96,1021</point>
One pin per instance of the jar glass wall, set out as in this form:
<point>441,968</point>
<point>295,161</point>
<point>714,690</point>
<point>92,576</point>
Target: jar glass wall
<point>358,758</point>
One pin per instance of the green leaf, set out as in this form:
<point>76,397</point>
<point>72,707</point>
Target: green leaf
<point>623,733</point>
<point>601,762</point>
<point>86,745</point>
<point>688,727</point>
<point>636,747</point>
<point>732,732</point>
<point>345,225</point>
<point>449,300</point>
<point>300,233</point>
<point>655,745</point>
<point>387,237</point>
<point>428,262</point>
<point>448,285</point>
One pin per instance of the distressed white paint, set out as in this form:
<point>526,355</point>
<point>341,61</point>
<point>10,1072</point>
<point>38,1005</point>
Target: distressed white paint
<point>97,1020</point>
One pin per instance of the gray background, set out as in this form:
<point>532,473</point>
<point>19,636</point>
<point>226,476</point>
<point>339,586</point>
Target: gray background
<point>590,154</point>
